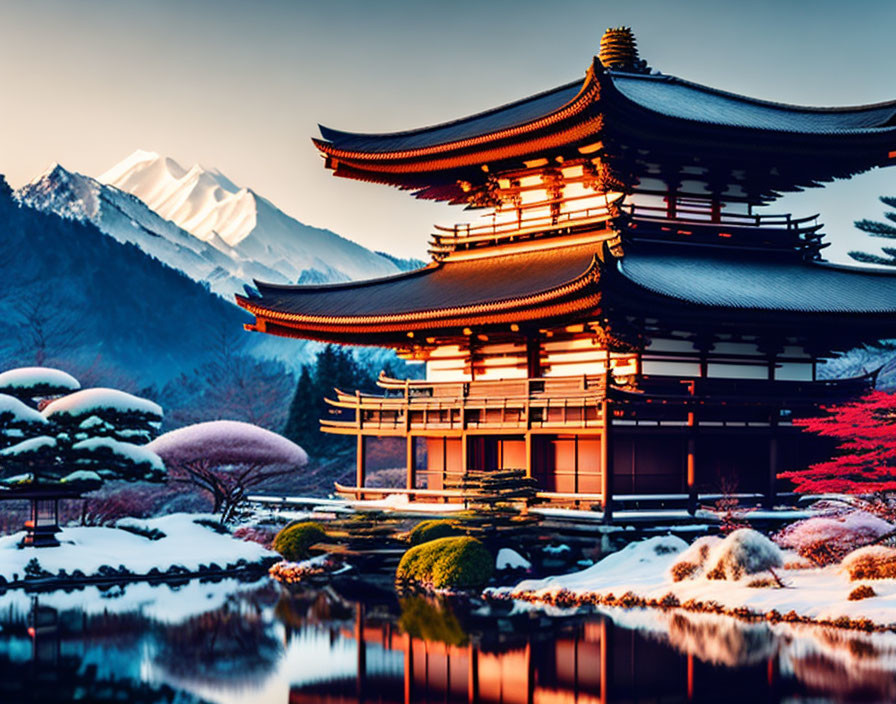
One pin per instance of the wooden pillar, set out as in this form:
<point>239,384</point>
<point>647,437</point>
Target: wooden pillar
<point>531,677</point>
<point>528,454</point>
<point>672,202</point>
<point>605,662</point>
<point>408,669</point>
<point>411,462</point>
<point>361,462</point>
<point>771,492</point>
<point>692,455</point>
<point>361,674</point>
<point>533,357</point>
<point>690,677</point>
<point>606,461</point>
<point>473,675</point>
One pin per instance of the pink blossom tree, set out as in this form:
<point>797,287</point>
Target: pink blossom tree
<point>227,459</point>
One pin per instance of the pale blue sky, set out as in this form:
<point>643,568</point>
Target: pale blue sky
<point>242,85</point>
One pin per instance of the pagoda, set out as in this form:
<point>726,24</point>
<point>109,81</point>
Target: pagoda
<point>622,321</point>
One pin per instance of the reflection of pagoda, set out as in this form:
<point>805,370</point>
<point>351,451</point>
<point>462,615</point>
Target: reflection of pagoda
<point>621,321</point>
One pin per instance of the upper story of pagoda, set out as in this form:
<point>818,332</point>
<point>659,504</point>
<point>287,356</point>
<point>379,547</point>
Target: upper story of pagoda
<point>628,129</point>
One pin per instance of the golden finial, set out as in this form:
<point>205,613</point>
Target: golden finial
<point>618,49</point>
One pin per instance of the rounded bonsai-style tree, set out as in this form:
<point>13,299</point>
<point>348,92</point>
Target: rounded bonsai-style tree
<point>30,383</point>
<point>227,459</point>
<point>72,446</point>
<point>18,421</point>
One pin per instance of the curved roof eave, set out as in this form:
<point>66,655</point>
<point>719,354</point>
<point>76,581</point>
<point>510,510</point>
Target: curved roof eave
<point>678,98</point>
<point>714,281</point>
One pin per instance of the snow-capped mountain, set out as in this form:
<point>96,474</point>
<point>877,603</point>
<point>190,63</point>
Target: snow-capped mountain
<point>128,219</point>
<point>239,222</point>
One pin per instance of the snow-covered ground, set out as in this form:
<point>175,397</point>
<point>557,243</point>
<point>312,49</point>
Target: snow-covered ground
<point>642,570</point>
<point>186,544</point>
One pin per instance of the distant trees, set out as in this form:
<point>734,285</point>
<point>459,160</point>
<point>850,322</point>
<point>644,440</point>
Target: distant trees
<point>233,384</point>
<point>335,367</point>
<point>227,459</point>
<point>875,228</point>
<point>865,465</point>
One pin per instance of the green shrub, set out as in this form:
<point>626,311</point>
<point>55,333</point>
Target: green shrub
<point>458,562</point>
<point>433,530</point>
<point>293,541</point>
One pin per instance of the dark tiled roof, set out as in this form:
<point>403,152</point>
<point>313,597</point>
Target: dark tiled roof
<point>753,283</point>
<point>449,285</point>
<point>666,95</point>
<point>678,98</point>
<point>503,117</point>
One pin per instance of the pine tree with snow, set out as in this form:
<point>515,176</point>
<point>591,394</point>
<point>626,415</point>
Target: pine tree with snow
<point>875,228</point>
<point>73,445</point>
<point>33,384</point>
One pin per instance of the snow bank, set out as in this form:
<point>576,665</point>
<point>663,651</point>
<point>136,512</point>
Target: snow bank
<point>26,379</point>
<point>636,564</point>
<point>402,502</point>
<point>90,401</point>
<point>508,559</point>
<point>642,570</point>
<point>187,545</point>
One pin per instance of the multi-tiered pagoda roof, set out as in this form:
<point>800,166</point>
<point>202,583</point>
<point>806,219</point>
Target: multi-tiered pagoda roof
<point>621,321</point>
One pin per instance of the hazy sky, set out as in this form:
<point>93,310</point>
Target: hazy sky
<point>242,85</point>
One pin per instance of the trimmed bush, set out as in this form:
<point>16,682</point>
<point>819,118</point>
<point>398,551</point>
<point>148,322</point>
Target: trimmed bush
<point>433,530</point>
<point>825,540</point>
<point>874,562</point>
<point>691,562</point>
<point>743,552</point>
<point>293,541</point>
<point>863,591</point>
<point>457,562</point>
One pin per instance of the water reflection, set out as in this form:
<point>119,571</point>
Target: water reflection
<point>235,642</point>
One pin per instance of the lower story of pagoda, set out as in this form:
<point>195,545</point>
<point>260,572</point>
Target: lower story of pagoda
<point>587,444</point>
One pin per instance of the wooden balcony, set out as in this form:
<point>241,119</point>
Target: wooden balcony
<point>510,405</point>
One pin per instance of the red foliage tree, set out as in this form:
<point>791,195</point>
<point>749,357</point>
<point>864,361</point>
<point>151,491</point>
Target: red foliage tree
<point>865,464</point>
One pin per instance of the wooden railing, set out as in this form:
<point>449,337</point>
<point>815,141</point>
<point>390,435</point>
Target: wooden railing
<point>704,216</point>
<point>562,402</point>
<point>467,235</point>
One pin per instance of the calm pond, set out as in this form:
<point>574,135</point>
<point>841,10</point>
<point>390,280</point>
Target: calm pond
<point>253,642</point>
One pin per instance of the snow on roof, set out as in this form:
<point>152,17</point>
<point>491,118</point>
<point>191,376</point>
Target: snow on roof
<point>90,401</point>
<point>227,442</point>
<point>16,412</point>
<point>125,450</point>
<point>25,378</point>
